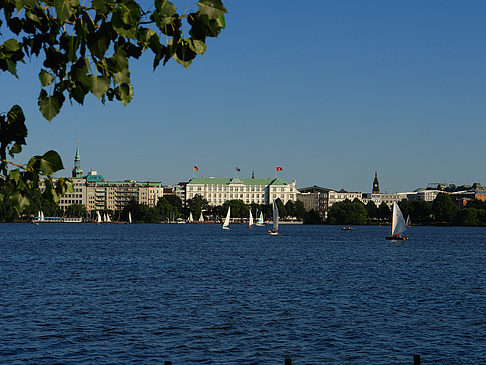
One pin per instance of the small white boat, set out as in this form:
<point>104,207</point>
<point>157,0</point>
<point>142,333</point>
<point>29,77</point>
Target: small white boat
<point>274,231</point>
<point>98,218</point>
<point>201,218</point>
<point>129,217</point>
<point>190,218</point>
<point>250,222</point>
<point>260,222</point>
<point>227,219</point>
<point>398,225</point>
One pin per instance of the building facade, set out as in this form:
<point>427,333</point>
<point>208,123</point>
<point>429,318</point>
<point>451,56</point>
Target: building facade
<point>260,191</point>
<point>115,195</point>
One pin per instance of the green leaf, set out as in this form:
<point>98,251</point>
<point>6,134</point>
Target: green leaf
<point>197,46</point>
<point>10,45</point>
<point>16,148</point>
<point>122,77</point>
<point>47,164</point>
<point>99,86</point>
<point>64,9</point>
<point>45,78</point>
<point>124,93</point>
<point>212,8</point>
<point>49,106</point>
<point>19,201</point>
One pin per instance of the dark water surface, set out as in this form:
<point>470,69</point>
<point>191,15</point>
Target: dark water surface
<point>111,294</point>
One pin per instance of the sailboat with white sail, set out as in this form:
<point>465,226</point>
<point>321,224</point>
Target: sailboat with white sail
<point>408,223</point>
<point>250,221</point>
<point>201,218</point>
<point>260,222</point>
<point>190,218</point>
<point>98,218</point>
<point>129,217</point>
<point>398,225</point>
<point>227,219</point>
<point>274,231</point>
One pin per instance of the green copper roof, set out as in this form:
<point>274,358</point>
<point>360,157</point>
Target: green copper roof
<point>227,181</point>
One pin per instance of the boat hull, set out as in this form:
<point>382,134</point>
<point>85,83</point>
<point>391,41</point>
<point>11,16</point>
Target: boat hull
<point>394,238</point>
<point>272,233</point>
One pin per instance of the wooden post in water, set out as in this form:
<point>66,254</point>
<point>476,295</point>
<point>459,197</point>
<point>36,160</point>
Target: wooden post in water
<point>416,359</point>
<point>288,361</point>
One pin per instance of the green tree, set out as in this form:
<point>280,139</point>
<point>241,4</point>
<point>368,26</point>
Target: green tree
<point>312,217</point>
<point>371,210</point>
<point>147,214</point>
<point>299,209</point>
<point>86,48</point>
<point>290,208</point>
<point>384,212</point>
<point>282,212</point>
<point>443,208</point>
<point>347,212</point>
<point>238,208</point>
<point>467,217</point>
<point>197,205</point>
<point>76,210</point>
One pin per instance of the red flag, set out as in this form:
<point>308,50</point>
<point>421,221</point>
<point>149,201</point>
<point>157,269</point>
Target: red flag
<point>195,168</point>
<point>237,169</point>
<point>279,168</point>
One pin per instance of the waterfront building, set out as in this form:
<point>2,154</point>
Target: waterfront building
<point>315,197</point>
<point>261,191</point>
<point>115,195</point>
<point>339,196</point>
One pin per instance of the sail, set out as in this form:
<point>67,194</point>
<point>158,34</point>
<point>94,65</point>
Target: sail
<point>227,219</point>
<point>129,217</point>
<point>201,218</point>
<point>98,217</point>
<point>260,220</point>
<point>275,216</point>
<point>398,222</point>
<point>190,217</point>
<point>250,223</point>
<point>408,223</point>
<point>42,216</point>
<point>108,219</point>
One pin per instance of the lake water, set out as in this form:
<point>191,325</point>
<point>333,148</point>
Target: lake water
<point>111,294</point>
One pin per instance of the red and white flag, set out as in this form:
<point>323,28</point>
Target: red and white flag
<point>278,168</point>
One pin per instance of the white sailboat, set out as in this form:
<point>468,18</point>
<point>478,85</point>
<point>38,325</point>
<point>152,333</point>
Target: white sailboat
<point>250,222</point>
<point>408,223</point>
<point>190,217</point>
<point>274,231</point>
<point>98,217</point>
<point>398,224</point>
<point>227,219</point>
<point>201,218</point>
<point>108,219</point>
<point>42,219</point>
<point>129,217</point>
<point>260,222</point>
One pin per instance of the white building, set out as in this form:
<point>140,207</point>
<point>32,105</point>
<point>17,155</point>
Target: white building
<point>261,191</point>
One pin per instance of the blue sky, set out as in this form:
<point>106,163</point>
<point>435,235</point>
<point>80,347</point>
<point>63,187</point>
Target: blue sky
<point>332,91</point>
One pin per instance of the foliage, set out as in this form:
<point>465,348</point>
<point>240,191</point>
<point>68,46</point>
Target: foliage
<point>282,212</point>
<point>371,210</point>
<point>347,212</point>
<point>467,217</point>
<point>197,205</point>
<point>86,48</point>
<point>384,212</point>
<point>312,217</point>
<point>238,208</point>
<point>443,208</point>
<point>76,210</point>
<point>299,209</point>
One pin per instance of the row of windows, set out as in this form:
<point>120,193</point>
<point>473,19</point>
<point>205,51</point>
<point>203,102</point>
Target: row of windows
<point>227,188</point>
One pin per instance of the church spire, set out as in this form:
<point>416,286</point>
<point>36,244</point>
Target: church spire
<point>376,185</point>
<point>77,172</point>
